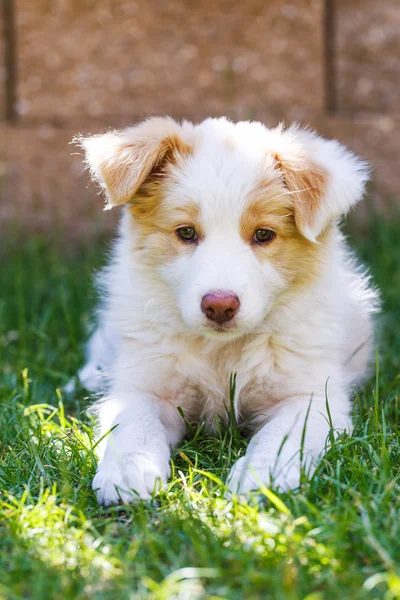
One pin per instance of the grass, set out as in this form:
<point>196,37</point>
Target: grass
<point>338,537</point>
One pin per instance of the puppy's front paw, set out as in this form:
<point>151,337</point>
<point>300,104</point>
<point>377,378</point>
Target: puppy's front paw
<point>251,472</point>
<point>133,476</point>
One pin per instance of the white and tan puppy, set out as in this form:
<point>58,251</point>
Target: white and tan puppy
<point>228,259</point>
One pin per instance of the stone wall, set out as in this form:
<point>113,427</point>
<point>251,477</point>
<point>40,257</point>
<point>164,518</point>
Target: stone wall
<point>2,69</point>
<point>368,40</point>
<point>86,65</point>
<point>91,58</point>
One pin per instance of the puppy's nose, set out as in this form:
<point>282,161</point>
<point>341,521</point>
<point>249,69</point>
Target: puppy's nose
<point>220,306</point>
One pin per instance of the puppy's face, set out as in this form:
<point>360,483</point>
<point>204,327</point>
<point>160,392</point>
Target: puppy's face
<point>228,216</point>
<point>221,233</point>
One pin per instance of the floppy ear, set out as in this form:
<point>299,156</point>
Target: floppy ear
<point>121,161</point>
<point>324,178</point>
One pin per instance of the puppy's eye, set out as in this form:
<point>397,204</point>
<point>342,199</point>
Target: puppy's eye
<point>186,234</point>
<point>262,236</point>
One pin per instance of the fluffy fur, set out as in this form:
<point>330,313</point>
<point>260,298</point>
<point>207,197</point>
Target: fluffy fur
<point>304,324</point>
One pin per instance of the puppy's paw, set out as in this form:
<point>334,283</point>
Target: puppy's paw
<point>131,477</point>
<point>249,473</point>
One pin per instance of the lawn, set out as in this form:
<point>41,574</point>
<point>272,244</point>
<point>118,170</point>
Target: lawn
<point>337,537</point>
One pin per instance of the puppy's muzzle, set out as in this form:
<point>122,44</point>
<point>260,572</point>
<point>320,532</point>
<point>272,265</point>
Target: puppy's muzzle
<point>220,306</point>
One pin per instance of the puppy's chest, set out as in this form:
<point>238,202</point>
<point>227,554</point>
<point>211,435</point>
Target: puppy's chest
<point>203,386</point>
<point>250,404</point>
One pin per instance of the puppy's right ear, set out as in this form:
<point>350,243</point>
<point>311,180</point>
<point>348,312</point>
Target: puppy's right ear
<point>122,161</point>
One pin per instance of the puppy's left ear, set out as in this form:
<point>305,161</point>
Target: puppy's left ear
<point>324,178</point>
<point>121,162</point>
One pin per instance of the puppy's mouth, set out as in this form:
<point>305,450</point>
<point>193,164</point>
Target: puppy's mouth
<point>221,331</point>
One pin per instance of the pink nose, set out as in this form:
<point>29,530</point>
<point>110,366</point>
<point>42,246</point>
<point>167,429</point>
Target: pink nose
<point>220,306</point>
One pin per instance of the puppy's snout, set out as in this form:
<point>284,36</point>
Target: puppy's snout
<point>220,306</point>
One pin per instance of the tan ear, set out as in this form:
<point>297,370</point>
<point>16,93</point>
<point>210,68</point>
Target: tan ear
<point>307,184</point>
<point>121,161</point>
<point>324,179</point>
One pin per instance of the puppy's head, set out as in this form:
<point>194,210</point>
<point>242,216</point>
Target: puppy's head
<point>230,216</point>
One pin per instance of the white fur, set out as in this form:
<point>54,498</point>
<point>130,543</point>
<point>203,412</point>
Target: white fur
<point>285,346</point>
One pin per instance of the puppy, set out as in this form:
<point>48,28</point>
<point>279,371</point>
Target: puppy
<point>228,259</point>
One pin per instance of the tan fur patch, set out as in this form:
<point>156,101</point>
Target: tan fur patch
<point>269,207</point>
<point>122,161</point>
<point>152,163</point>
<point>156,221</point>
<point>294,256</point>
<point>307,184</point>
<point>298,259</point>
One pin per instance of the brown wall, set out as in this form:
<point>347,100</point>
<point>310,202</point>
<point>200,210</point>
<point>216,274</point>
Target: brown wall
<point>90,58</point>
<point>368,40</point>
<point>2,68</point>
<point>85,65</point>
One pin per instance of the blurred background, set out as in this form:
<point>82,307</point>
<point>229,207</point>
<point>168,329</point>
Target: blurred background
<point>69,66</point>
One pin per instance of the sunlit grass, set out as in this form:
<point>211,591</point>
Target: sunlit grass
<point>337,537</point>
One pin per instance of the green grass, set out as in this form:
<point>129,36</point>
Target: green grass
<point>338,537</point>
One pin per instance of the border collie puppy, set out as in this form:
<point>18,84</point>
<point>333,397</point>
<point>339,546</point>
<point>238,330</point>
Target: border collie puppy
<point>228,259</point>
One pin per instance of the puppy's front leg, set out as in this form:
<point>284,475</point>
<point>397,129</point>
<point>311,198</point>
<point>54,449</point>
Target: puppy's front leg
<point>276,449</point>
<point>135,455</point>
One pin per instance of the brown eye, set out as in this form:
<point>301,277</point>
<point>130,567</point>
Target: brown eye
<point>262,236</point>
<point>187,234</point>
